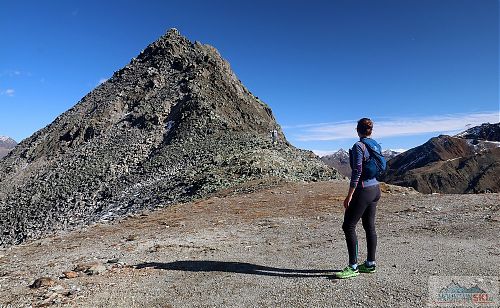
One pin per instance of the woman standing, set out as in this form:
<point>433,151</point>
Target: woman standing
<point>361,203</point>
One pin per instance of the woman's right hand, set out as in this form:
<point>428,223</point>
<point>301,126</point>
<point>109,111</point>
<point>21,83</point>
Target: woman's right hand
<point>347,200</point>
<point>349,197</point>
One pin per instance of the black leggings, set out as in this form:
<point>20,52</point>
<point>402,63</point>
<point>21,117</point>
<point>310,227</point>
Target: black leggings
<point>363,205</point>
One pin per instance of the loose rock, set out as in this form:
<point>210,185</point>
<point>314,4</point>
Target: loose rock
<point>43,282</point>
<point>96,269</point>
<point>70,274</point>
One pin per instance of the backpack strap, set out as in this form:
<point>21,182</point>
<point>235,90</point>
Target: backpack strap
<point>370,149</point>
<point>365,148</point>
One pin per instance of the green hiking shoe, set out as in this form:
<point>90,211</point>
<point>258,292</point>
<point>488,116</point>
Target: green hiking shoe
<point>347,272</point>
<point>363,268</point>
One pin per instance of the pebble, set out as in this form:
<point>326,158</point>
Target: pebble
<point>82,267</point>
<point>73,290</point>
<point>57,288</point>
<point>96,269</point>
<point>70,274</point>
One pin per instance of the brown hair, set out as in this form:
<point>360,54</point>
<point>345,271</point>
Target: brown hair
<point>365,127</point>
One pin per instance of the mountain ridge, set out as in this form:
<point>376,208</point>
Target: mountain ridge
<point>468,162</point>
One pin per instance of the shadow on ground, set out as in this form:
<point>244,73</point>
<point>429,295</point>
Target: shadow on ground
<point>236,267</point>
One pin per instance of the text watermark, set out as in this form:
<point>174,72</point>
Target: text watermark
<point>463,291</point>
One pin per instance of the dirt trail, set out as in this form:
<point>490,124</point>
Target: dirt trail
<point>272,248</point>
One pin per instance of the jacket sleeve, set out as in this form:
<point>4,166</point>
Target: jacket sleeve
<point>357,161</point>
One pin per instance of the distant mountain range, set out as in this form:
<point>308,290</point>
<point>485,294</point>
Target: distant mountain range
<point>468,162</point>
<point>340,160</point>
<point>6,144</point>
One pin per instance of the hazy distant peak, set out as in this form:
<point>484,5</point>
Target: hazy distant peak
<point>338,153</point>
<point>388,153</point>
<point>6,145</point>
<point>6,139</point>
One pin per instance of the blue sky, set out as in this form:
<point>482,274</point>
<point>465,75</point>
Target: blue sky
<point>418,68</point>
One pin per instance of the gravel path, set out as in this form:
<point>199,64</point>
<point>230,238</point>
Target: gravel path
<point>272,248</point>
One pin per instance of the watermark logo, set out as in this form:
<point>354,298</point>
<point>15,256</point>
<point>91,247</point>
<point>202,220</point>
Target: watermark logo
<point>463,291</point>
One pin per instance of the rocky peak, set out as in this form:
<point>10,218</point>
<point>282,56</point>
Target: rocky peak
<point>172,125</point>
<point>485,131</point>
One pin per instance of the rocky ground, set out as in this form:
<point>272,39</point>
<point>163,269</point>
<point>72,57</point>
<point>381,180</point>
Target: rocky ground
<point>276,247</point>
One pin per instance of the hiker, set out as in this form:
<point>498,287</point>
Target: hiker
<point>361,201</point>
<point>274,136</point>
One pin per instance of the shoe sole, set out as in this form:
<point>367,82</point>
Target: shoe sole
<point>347,277</point>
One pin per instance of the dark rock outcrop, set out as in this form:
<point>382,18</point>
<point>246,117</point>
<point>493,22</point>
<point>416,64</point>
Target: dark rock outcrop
<point>466,163</point>
<point>173,125</point>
